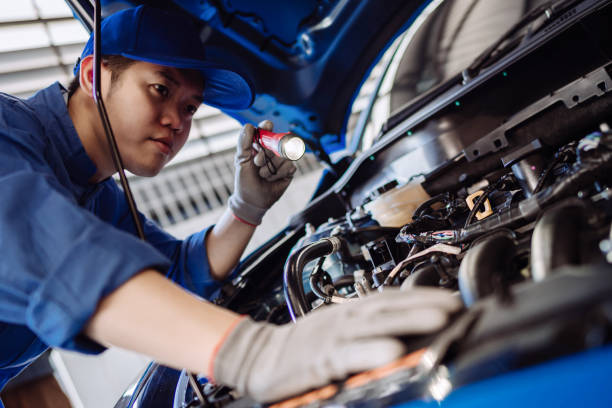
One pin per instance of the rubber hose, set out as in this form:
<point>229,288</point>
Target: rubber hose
<point>425,275</point>
<point>556,238</point>
<point>485,265</point>
<point>292,276</point>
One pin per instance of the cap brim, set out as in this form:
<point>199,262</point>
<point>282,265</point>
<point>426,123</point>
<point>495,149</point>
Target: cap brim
<point>223,88</point>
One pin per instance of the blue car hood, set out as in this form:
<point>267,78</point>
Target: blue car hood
<point>305,59</point>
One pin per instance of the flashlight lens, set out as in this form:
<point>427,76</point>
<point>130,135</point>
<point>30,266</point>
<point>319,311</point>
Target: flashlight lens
<point>294,148</point>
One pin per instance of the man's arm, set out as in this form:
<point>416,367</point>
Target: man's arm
<point>226,243</point>
<point>256,189</point>
<point>154,316</point>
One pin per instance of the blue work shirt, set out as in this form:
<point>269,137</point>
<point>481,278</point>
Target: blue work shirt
<point>66,243</point>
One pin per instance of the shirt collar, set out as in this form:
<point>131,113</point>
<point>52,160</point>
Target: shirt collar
<point>51,103</point>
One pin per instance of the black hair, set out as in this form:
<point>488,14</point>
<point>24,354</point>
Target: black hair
<point>117,65</point>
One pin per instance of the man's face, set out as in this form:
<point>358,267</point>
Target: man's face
<point>150,109</point>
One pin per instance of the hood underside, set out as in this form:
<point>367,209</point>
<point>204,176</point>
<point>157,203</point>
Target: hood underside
<point>305,59</point>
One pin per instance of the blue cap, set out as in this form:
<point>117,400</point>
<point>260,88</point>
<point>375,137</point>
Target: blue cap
<point>170,39</point>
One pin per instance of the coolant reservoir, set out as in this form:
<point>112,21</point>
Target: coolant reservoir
<point>394,208</point>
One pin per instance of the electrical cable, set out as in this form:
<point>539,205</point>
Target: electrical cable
<point>597,168</point>
<point>315,276</point>
<point>487,191</point>
<point>331,295</point>
<point>477,205</point>
<point>443,248</point>
<point>548,171</point>
<point>426,206</point>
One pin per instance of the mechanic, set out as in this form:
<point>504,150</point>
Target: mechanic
<point>74,274</point>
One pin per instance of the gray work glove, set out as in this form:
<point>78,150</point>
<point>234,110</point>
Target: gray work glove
<point>255,187</point>
<point>269,362</point>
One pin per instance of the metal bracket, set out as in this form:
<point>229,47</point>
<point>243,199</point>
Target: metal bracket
<point>594,84</point>
<point>492,142</point>
<point>518,154</point>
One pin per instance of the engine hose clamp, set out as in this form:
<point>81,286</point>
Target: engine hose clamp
<point>336,243</point>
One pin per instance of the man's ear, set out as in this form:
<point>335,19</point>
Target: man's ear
<point>86,75</point>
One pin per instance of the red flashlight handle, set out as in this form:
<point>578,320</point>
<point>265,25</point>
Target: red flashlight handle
<point>270,140</point>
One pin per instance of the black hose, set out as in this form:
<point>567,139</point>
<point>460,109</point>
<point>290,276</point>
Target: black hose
<point>292,277</point>
<point>557,237</point>
<point>423,274</point>
<point>344,281</point>
<point>487,265</point>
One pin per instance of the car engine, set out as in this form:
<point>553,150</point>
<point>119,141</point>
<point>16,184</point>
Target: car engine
<point>514,215</point>
<point>479,239</point>
<point>511,239</point>
<point>512,245</point>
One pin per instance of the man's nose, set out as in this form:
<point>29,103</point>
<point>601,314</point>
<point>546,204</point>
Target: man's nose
<point>171,118</point>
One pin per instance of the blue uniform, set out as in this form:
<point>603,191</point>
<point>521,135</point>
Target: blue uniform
<point>66,243</point>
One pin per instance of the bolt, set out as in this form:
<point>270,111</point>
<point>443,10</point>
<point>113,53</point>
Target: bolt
<point>309,229</point>
<point>605,246</point>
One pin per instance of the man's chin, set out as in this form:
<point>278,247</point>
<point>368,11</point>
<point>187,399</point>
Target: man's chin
<point>143,171</point>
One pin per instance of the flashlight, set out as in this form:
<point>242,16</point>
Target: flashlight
<point>286,145</point>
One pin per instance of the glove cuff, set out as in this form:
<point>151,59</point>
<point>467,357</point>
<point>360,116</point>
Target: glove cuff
<point>245,211</point>
<point>213,357</point>
<point>233,357</point>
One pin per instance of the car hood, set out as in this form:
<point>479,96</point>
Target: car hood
<point>305,59</point>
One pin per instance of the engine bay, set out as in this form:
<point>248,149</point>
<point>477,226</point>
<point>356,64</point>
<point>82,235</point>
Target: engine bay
<point>501,195</point>
<point>527,248</point>
<point>528,244</point>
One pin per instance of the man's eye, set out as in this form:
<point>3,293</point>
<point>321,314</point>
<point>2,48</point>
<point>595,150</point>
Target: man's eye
<point>192,109</point>
<point>161,89</point>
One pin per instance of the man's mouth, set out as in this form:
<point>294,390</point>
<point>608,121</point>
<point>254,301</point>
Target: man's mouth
<point>164,144</point>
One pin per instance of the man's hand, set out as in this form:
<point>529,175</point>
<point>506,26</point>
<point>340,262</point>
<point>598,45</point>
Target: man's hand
<point>255,187</point>
<point>270,362</point>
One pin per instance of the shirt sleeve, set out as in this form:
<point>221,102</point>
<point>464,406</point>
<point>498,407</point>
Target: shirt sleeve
<point>190,267</point>
<point>58,260</point>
